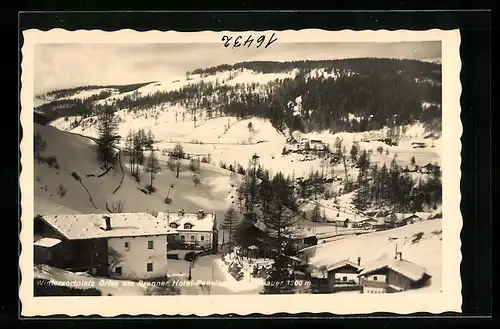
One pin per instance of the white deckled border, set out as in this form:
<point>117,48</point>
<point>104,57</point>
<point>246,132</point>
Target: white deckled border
<point>449,300</point>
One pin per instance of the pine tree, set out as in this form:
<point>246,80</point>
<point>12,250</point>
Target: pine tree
<point>152,167</point>
<point>229,224</point>
<point>107,126</point>
<point>316,213</point>
<point>354,153</point>
<point>252,191</point>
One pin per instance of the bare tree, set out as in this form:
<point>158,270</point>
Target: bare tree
<point>116,206</point>
<point>152,167</point>
<point>177,155</point>
<point>192,264</point>
<point>114,259</point>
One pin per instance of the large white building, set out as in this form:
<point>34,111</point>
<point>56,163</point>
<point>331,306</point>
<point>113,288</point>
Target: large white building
<point>119,245</point>
<point>194,229</point>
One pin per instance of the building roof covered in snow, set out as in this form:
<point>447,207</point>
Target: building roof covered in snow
<point>438,213</point>
<point>199,222</point>
<point>342,263</point>
<point>94,226</point>
<point>404,267</point>
<point>423,214</point>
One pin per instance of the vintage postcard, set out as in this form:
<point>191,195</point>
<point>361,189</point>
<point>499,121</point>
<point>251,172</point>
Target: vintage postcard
<point>168,173</point>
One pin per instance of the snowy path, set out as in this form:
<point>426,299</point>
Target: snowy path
<point>208,270</point>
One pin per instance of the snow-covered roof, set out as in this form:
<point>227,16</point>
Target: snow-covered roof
<point>437,213</point>
<point>409,269</point>
<point>199,223</point>
<point>47,242</point>
<point>341,264</point>
<point>423,214</point>
<point>93,226</point>
<point>402,216</point>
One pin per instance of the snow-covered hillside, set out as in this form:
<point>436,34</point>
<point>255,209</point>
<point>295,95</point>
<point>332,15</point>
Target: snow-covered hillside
<point>76,154</point>
<point>232,141</point>
<point>419,243</point>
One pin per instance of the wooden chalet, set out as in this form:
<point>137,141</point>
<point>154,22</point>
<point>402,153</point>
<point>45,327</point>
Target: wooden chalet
<point>392,275</point>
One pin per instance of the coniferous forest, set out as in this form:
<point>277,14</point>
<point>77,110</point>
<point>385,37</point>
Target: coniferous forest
<point>351,95</point>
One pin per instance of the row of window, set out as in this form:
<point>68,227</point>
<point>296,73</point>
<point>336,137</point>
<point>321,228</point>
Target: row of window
<point>183,238</point>
<point>187,226</point>
<point>150,245</point>
<point>118,269</point>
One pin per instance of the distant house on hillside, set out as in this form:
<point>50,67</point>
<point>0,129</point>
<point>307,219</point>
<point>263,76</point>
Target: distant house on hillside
<point>402,219</point>
<point>423,215</point>
<point>195,230</point>
<point>438,213</point>
<point>427,169</point>
<point>393,275</point>
<point>118,245</point>
<point>316,144</point>
<point>341,220</point>
<point>368,223</point>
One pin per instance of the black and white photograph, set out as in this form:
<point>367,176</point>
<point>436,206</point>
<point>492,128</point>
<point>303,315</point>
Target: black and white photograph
<point>241,164</point>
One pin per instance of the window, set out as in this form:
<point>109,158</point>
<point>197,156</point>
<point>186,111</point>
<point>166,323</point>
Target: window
<point>192,237</point>
<point>150,267</point>
<point>187,226</point>
<point>344,278</point>
<point>118,270</point>
<point>183,237</point>
<point>374,278</point>
<point>173,225</point>
<point>150,244</point>
<point>202,238</point>
<point>127,246</point>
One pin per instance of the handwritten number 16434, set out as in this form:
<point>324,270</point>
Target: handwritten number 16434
<point>239,41</point>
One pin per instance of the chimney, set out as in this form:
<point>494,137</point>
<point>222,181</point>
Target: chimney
<point>359,261</point>
<point>107,220</point>
<point>168,216</point>
<point>181,212</point>
<point>201,214</point>
<point>400,254</point>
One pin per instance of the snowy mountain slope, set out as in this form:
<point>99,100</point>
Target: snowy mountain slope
<point>419,243</point>
<point>232,140</point>
<point>76,154</point>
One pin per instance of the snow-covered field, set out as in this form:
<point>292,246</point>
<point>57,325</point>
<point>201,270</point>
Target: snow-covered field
<point>247,283</point>
<point>419,243</point>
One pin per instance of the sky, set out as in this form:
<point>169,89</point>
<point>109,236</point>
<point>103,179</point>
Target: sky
<point>63,65</point>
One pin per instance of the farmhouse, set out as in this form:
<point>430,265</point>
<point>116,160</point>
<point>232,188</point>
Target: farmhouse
<point>370,223</point>
<point>427,169</point>
<point>401,219</point>
<point>393,275</point>
<point>339,276</point>
<point>118,245</point>
<point>438,213</point>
